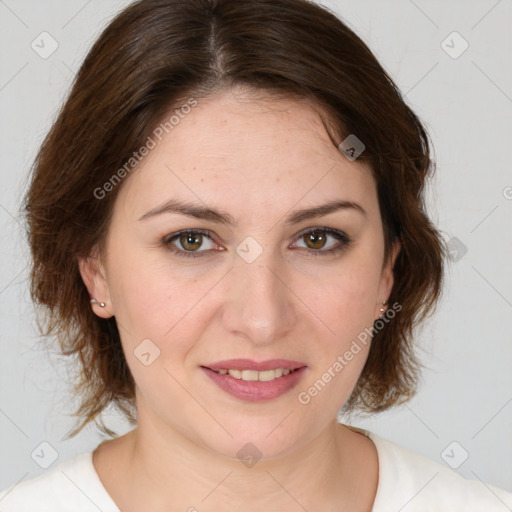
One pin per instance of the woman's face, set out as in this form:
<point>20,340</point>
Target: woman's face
<point>256,287</point>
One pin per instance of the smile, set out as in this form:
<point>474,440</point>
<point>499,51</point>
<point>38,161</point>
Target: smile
<point>253,385</point>
<point>253,375</point>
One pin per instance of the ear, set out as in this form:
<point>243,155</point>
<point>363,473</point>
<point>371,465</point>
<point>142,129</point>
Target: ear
<point>387,278</point>
<point>94,277</point>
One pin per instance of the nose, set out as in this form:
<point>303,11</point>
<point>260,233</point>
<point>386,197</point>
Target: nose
<point>260,304</point>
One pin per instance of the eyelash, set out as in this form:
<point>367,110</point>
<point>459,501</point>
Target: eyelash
<point>339,235</point>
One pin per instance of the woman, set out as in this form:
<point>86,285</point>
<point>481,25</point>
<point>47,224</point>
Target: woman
<point>227,228</point>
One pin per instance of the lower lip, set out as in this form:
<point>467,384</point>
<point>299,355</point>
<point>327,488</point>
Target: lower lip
<point>256,391</point>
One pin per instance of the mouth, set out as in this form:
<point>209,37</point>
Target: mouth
<point>254,375</point>
<point>255,385</point>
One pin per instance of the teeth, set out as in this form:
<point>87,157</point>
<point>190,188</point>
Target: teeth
<point>253,375</point>
<point>237,374</point>
<point>249,375</point>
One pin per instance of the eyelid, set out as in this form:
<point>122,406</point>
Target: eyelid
<point>344,241</point>
<point>167,241</point>
<point>324,229</point>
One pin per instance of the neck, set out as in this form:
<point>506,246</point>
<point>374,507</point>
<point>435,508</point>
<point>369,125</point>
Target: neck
<point>159,468</point>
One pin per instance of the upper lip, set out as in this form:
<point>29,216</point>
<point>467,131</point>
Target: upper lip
<point>249,364</point>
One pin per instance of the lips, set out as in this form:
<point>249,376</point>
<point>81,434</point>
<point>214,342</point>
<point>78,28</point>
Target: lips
<point>253,381</point>
<point>253,375</point>
<point>249,364</point>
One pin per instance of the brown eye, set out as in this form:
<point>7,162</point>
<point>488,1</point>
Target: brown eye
<point>324,241</point>
<point>191,241</point>
<point>315,239</point>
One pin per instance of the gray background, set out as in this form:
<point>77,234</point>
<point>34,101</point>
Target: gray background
<point>466,391</point>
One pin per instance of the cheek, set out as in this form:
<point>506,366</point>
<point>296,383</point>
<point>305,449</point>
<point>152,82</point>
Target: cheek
<point>158,324</point>
<point>347,296</point>
<point>148,293</point>
<point>345,306</point>
<point>156,300</point>
<point>346,313</point>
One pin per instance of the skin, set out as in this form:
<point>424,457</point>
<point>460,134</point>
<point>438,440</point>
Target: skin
<point>256,159</point>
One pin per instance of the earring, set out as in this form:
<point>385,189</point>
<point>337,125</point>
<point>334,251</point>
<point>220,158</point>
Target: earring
<point>383,309</point>
<point>100,304</point>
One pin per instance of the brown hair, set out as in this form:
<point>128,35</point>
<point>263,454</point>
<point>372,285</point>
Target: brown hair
<point>153,56</point>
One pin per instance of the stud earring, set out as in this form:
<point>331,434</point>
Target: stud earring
<point>383,309</point>
<point>100,304</point>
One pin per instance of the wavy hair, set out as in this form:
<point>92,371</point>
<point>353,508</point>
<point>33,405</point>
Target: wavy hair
<point>149,59</point>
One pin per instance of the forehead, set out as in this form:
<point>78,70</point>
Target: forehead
<point>238,148</point>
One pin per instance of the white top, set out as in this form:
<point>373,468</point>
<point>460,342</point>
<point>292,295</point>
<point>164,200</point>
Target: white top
<point>408,482</point>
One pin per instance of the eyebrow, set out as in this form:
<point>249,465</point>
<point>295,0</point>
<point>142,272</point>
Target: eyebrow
<point>221,217</point>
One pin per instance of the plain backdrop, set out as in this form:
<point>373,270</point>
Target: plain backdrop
<point>462,415</point>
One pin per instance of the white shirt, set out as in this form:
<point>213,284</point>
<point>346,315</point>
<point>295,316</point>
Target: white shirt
<point>408,482</point>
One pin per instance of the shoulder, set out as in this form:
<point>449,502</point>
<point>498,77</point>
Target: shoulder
<point>413,483</point>
<point>71,486</point>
